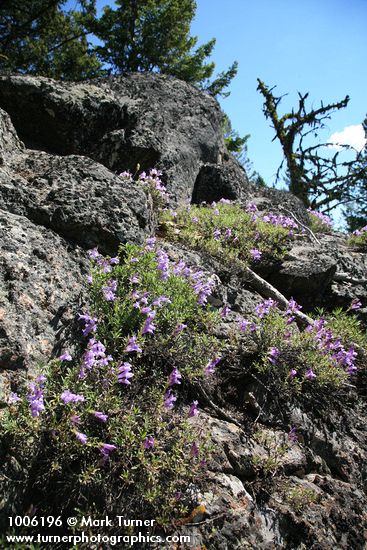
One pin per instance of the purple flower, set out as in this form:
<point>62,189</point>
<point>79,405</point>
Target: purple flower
<point>89,279</point>
<point>292,435</point>
<point>35,399</point>
<point>356,304</point>
<point>194,450</point>
<point>161,300</point>
<point>125,174</point>
<point>94,356</point>
<point>134,279</point>
<point>225,201</point>
<point>179,267</point>
<point>114,261</point>
<point>65,356</point>
<point>180,327</point>
<point>359,232</point>
<point>217,234</point>
<point>75,419</point>
<point>93,253</point>
<point>194,219</point>
<point>210,367</point>
<point>244,325</point>
<point>148,327</point>
<point>251,207</point>
<point>325,220</point>
<point>292,373</point>
<point>109,291</point>
<point>310,375</point>
<point>150,244</point>
<point>13,398</point>
<point>148,442</point>
<point>163,264</point>
<point>169,400</point>
<point>68,397</point>
<point>351,369</point>
<point>106,449</point>
<point>280,220</point>
<point>124,373</point>
<point>81,437</point>
<point>193,409</point>
<point>90,324</point>
<point>133,346</point>
<point>255,253</point>
<point>225,311</point>
<point>100,416</point>
<point>273,355</point>
<point>264,308</point>
<point>174,377</point>
<point>202,288</point>
<point>292,306</point>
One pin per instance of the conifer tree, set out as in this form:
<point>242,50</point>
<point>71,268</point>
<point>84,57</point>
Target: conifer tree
<point>41,37</point>
<point>154,36</point>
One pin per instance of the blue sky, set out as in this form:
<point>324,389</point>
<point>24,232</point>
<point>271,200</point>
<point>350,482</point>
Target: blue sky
<point>315,46</point>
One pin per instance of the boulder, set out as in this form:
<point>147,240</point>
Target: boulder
<point>78,198</point>
<point>138,119</point>
<point>217,181</point>
<point>41,279</point>
<point>52,209</point>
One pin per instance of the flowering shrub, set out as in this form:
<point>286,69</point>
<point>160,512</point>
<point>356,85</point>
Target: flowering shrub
<point>230,232</point>
<point>150,182</point>
<point>320,223</point>
<point>112,424</point>
<point>319,356</point>
<point>358,238</point>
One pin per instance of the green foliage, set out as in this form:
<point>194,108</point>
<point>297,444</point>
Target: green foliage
<point>45,38</point>
<point>306,360</point>
<point>358,239</point>
<point>239,232</point>
<point>154,36</point>
<point>271,463</point>
<point>346,325</point>
<point>300,498</point>
<point>69,475</point>
<point>233,141</point>
<point>320,223</point>
<point>41,37</point>
<point>222,81</point>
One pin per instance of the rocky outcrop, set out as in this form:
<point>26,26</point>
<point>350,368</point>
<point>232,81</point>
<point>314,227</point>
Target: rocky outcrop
<point>76,197</point>
<point>139,119</point>
<point>60,196</point>
<point>52,210</point>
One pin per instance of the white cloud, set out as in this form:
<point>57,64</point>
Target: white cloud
<point>351,135</point>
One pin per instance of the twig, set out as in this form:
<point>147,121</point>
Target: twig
<point>208,520</point>
<point>300,223</point>
<point>220,412</point>
<point>267,290</point>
